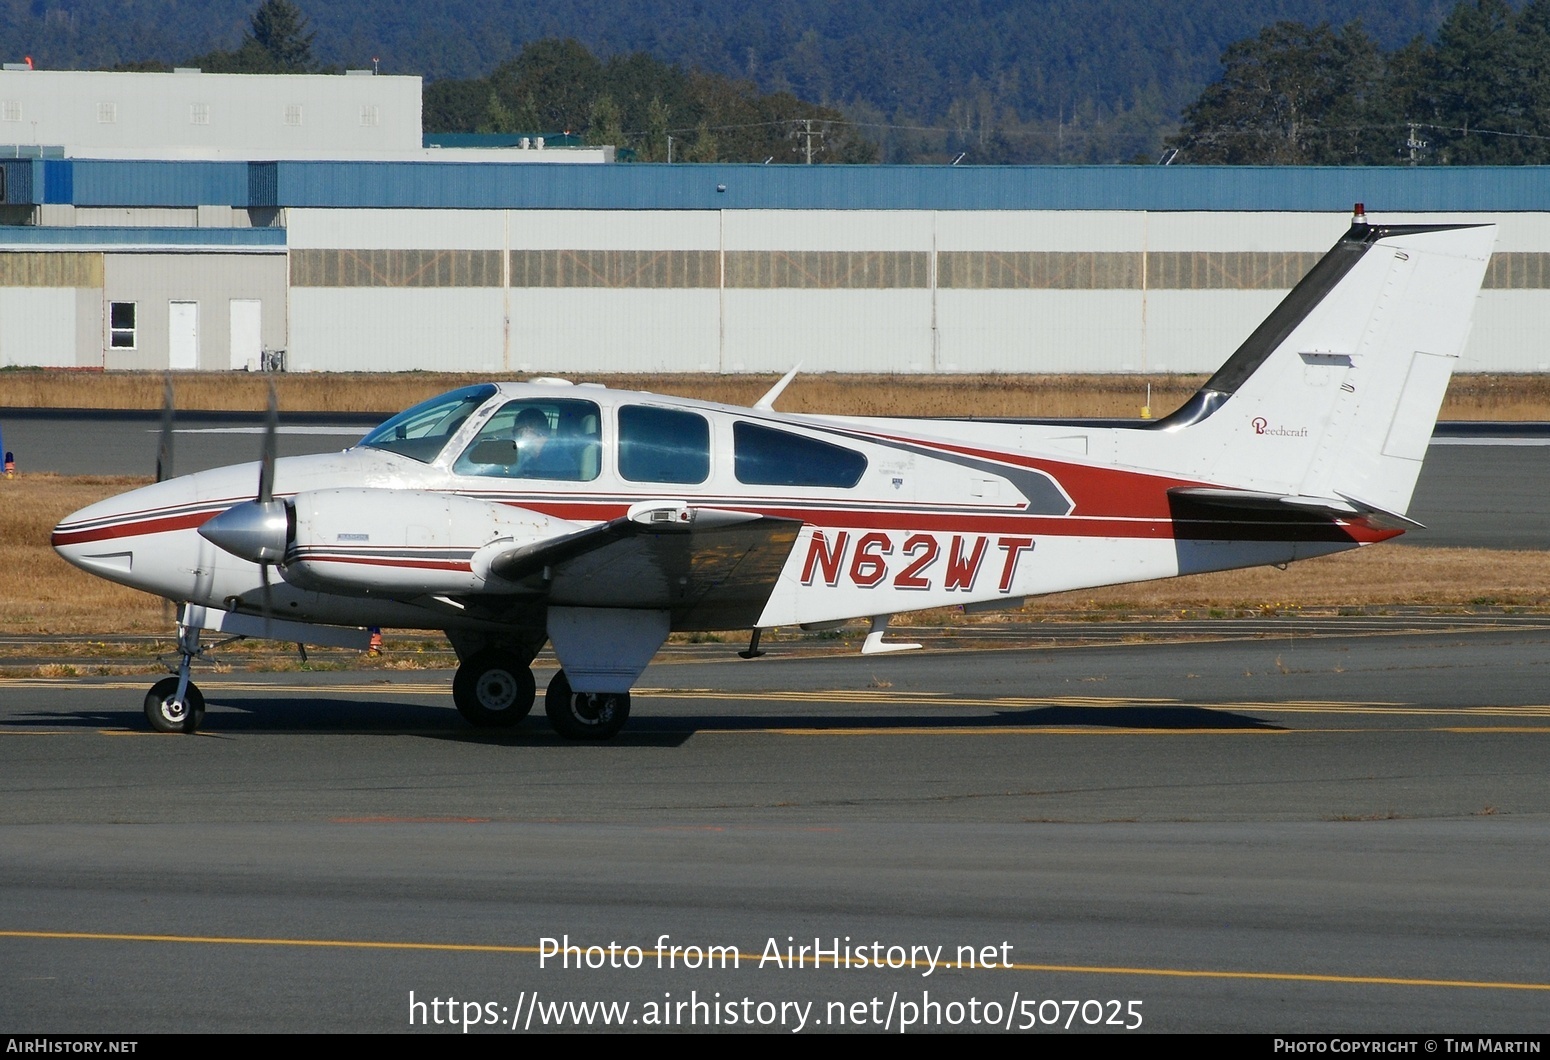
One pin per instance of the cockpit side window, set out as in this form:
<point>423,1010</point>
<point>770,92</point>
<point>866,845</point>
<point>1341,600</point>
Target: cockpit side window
<point>663,445</point>
<point>423,431</point>
<point>557,440</point>
<point>763,456</point>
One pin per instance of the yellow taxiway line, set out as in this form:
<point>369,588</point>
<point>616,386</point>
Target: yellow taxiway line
<point>752,956</point>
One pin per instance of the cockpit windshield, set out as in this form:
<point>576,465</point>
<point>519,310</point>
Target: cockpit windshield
<point>423,431</point>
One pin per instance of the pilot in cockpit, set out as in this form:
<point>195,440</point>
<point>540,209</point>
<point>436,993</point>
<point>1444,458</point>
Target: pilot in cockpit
<point>539,457</point>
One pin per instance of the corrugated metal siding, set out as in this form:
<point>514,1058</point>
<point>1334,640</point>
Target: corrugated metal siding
<point>263,185</point>
<point>396,330</point>
<point>18,181</point>
<point>143,238</point>
<point>1040,331</point>
<point>577,331</point>
<point>58,180</point>
<point>104,182</point>
<point>37,327</point>
<point>558,186</point>
<point>396,268</point>
<point>28,269</point>
<point>397,229</point>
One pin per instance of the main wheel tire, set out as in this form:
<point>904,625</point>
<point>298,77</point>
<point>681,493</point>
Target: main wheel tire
<point>166,716</point>
<point>585,715</point>
<point>494,689</point>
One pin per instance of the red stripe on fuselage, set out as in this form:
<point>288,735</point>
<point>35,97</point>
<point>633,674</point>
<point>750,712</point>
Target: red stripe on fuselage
<point>135,528</point>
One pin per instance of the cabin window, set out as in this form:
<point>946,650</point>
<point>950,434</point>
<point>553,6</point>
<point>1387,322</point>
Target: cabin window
<point>763,456</point>
<point>121,325</point>
<point>663,445</point>
<point>532,438</point>
<point>423,431</point>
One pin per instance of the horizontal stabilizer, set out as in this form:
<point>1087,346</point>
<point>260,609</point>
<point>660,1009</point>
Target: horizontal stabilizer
<point>1340,506</point>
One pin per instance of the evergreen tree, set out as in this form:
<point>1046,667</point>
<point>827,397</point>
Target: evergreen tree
<point>1475,88</point>
<point>1293,95</point>
<point>280,29</point>
<point>277,42</point>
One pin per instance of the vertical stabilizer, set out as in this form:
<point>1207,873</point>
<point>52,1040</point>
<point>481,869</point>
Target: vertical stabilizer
<point>1335,395</point>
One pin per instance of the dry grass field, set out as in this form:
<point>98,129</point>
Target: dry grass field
<point>40,593</point>
<point>1471,397</point>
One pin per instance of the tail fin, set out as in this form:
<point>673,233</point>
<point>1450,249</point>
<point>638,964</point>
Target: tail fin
<point>1335,395</point>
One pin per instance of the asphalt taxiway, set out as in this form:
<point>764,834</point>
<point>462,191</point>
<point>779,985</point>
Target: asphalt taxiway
<point>1286,832</point>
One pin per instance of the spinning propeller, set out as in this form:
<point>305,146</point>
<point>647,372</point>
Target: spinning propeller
<point>259,530</point>
<point>164,446</point>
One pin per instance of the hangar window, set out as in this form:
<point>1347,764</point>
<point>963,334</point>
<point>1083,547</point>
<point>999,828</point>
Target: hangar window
<point>199,114</point>
<point>293,114</point>
<point>763,456</point>
<point>663,445</point>
<point>540,439</point>
<point>423,431</point>
<point>11,110</point>
<point>107,113</point>
<point>121,325</point>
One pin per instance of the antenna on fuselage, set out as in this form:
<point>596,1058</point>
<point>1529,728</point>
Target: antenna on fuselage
<point>767,402</point>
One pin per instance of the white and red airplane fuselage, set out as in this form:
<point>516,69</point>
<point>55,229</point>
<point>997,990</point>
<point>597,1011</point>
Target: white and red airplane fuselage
<point>513,514</point>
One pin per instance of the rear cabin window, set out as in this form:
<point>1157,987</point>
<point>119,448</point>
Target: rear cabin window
<point>537,439</point>
<point>663,445</point>
<point>763,456</point>
<point>423,431</point>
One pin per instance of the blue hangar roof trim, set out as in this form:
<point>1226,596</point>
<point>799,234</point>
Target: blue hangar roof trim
<point>566,186</point>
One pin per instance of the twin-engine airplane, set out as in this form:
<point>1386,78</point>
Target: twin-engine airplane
<point>513,514</point>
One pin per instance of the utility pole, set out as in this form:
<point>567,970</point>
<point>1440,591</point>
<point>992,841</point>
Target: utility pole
<point>806,133</point>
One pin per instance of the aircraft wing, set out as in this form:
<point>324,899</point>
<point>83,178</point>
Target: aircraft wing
<point>714,569</point>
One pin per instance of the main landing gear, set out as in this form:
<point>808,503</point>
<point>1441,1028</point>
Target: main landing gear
<point>495,689</point>
<point>585,715</point>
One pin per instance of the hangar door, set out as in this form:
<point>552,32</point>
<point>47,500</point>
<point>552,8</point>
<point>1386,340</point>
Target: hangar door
<point>182,335</point>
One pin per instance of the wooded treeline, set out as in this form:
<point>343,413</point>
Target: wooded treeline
<point>1312,95</point>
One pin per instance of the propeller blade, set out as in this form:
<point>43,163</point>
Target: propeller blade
<point>266,461</point>
<point>164,447</point>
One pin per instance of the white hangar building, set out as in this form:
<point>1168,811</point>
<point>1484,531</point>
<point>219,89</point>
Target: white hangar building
<point>395,258</point>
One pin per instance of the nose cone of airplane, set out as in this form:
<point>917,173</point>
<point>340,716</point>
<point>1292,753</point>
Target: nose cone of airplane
<point>114,538</point>
<point>257,531</point>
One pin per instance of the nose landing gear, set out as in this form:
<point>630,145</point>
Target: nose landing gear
<point>175,704</point>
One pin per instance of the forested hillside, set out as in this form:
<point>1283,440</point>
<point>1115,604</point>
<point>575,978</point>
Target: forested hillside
<point>1003,80</point>
<point>1479,94</point>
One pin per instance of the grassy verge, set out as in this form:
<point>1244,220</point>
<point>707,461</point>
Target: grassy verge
<point>1471,397</point>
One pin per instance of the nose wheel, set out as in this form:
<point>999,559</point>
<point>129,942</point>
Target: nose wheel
<point>494,689</point>
<point>175,704</point>
<point>585,715</point>
<point>170,711</point>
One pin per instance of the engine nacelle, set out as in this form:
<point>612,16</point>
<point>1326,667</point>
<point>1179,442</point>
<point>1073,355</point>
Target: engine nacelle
<point>389,542</point>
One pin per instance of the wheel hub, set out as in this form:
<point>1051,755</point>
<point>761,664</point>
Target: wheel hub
<point>497,690</point>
